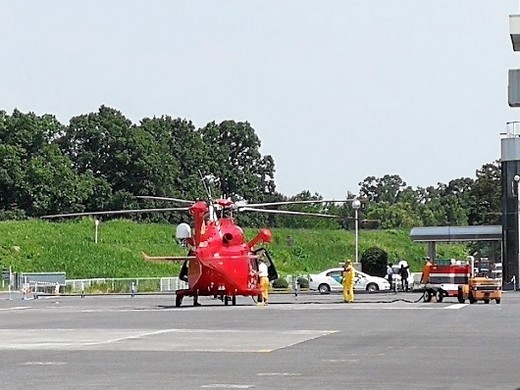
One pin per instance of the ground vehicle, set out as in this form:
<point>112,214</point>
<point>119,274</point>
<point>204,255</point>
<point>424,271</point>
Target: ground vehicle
<point>457,279</point>
<point>484,283</point>
<point>480,288</point>
<point>330,280</point>
<point>220,261</point>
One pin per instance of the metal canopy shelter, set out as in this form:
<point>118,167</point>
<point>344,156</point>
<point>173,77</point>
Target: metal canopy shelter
<point>433,234</point>
<point>456,233</point>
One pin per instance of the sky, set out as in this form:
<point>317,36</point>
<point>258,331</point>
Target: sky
<point>336,90</point>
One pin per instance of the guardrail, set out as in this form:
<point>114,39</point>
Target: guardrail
<point>159,284</point>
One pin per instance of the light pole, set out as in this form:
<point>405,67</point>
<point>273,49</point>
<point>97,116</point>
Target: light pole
<point>96,233</point>
<point>356,205</point>
<point>516,178</point>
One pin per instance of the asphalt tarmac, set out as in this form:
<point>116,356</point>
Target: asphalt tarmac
<point>382,341</point>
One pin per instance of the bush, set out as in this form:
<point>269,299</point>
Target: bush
<point>304,283</point>
<point>280,283</point>
<point>374,261</point>
<point>12,215</point>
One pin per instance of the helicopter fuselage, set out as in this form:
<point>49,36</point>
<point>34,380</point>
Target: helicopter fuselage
<point>223,263</point>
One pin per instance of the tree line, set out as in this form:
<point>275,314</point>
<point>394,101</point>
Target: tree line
<point>102,161</point>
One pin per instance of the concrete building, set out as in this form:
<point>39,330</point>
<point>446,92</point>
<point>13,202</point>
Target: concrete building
<point>510,161</point>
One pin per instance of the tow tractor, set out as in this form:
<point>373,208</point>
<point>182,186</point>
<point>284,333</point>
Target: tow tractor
<point>448,279</point>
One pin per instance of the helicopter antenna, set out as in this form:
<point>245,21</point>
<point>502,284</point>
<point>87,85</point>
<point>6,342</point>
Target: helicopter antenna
<point>205,179</point>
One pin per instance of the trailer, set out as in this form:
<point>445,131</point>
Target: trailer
<point>444,280</point>
<point>463,281</point>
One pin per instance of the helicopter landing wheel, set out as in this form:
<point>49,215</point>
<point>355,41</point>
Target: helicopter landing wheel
<point>226,300</point>
<point>178,300</point>
<point>234,300</point>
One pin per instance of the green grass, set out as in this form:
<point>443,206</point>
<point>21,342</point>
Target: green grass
<point>42,246</point>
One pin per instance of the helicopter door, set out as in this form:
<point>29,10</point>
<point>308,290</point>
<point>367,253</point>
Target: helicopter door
<point>271,269</point>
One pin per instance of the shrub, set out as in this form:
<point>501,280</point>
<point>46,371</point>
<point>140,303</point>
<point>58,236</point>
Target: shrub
<point>374,261</point>
<point>304,283</point>
<point>280,283</point>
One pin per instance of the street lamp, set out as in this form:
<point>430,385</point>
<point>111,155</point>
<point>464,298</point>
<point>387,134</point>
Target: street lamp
<point>356,205</point>
<point>516,178</point>
<point>96,233</point>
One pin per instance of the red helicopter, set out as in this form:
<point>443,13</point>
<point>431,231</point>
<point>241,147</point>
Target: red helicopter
<point>220,262</point>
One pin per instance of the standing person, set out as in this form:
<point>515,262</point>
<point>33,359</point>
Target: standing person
<point>183,275</point>
<point>349,274</point>
<point>390,275</point>
<point>403,273</point>
<point>263,274</point>
<point>425,277</point>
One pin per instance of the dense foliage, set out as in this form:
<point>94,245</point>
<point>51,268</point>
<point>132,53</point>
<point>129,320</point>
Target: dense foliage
<point>374,261</point>
<point>101,161</point>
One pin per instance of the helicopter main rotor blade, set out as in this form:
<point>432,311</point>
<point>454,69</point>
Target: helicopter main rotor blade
<point>298,202</point>
<point>165,198</point>
<point>289,212</point>
<point>161,259</point>
<point>115,212</point>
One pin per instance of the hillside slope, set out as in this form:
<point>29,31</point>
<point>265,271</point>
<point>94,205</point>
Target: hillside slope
<point>41,246</point>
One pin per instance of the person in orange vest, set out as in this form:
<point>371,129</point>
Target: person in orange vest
<point>425,277</point>
<point>349,274</point>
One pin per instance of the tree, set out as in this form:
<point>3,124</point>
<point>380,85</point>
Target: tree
<point>234,159</point>
<point>374,261</point>
<point>126,160</point>
<point>186,153</point>
<point>238,169</point>
<point>456,200</point>
<point>397,215</point>
<point>385,189</point>
<point>486,200</point>
<point>35,176</point>
<point>52,186</point>
<point>311,222</point>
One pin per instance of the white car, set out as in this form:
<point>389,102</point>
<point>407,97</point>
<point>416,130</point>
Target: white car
<point>330,280</point>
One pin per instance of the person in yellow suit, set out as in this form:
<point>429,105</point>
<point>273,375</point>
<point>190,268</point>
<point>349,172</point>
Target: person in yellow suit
<point>349,275</point>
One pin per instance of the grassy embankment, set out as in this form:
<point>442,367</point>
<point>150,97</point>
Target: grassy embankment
<point>41,246</point>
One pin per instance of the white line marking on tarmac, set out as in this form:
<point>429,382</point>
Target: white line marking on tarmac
<point>194,340</point>
<point>319,306</point>
<point>274,307</point>
<point>226,386</point>
<point>15,308</point>
<point>44,363</point>
<point>279,374</point>
<point>457,306</point>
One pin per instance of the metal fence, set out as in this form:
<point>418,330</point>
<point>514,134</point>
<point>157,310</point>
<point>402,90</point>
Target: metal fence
<point>116,285</point>
<point>129,285</point>
<point>124,285</point>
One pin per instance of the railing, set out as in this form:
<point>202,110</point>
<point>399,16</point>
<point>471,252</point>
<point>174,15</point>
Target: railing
<point>129,285</point>
<point>124,285</point>
<point>512,129</point>
<point>161,284</point>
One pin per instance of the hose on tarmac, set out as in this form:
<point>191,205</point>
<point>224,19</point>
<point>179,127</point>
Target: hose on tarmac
<point>396,300</point>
